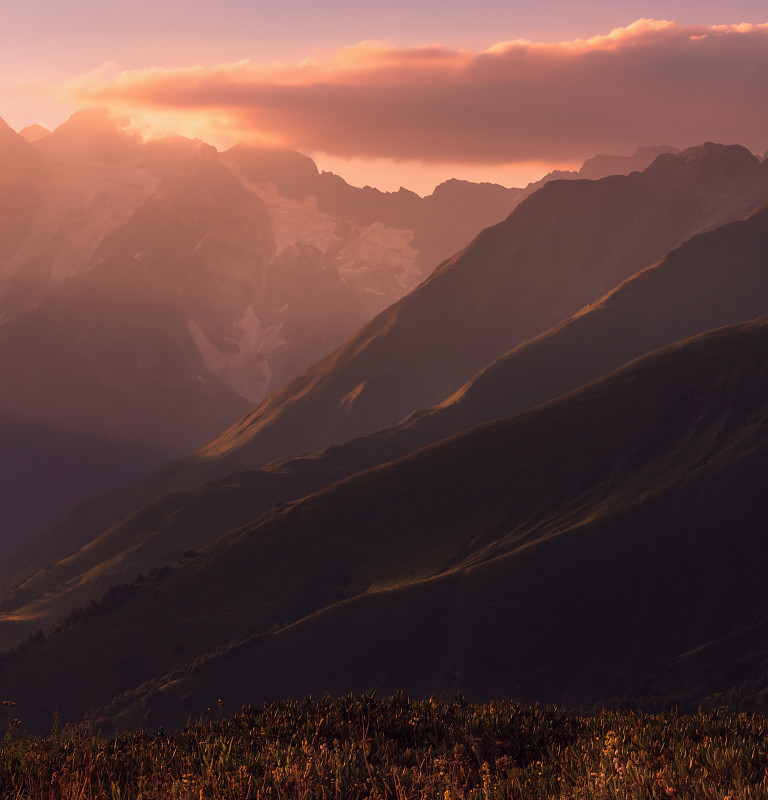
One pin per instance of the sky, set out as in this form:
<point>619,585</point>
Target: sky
<point>401,93</point>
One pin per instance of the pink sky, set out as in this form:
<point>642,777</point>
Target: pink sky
<point>392,113</point>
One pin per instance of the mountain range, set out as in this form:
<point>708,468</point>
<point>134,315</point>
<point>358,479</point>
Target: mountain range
<point>563,248</point>
<point>150,293</point>
<point>715,279</point>
<point>524,477</point>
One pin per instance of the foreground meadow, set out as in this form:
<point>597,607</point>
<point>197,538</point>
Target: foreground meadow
<point>365,747</point>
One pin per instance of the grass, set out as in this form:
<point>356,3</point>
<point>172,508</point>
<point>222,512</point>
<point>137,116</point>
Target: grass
<point>365,747</point>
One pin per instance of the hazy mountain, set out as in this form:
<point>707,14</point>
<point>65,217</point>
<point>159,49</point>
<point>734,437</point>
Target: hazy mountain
<point>714,279</point>
<point>34,132</point>
<point>442,223</point>
<point>602,165</point>
<point>149,296</point>
<point>20,199</point>
<point>17,157</point>
<point>438,225</point>
<point>604,545</point>
<point>90,135</point>
<point>64,207</point>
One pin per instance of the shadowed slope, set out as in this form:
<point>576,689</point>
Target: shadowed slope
<point>569,553</point>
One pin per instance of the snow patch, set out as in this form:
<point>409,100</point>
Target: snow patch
<point>246,371</point>
<point>296,221</point>
<point>380,260</point>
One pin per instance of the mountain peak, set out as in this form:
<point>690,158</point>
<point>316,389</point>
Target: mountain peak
<point>34,132</point>
<point>455,187</point>
<point>200,180</point>
<point>294,174</point>
<point>603,165</point>
<point>708,166</point>
<point>91,134</point>
<point>17,156</point>
<point>207,152</point>
<point>170,155</point>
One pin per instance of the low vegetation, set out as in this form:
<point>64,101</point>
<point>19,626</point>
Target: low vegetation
<point>364,747</point>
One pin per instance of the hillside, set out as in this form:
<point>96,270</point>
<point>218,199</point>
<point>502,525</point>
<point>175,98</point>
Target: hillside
<point>454,569</point>
<point>715,279</point>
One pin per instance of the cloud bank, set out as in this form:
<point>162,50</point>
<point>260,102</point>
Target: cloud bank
<point>650,82</point>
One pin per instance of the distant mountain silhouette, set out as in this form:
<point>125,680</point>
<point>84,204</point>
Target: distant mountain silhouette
<point>295,175</point>
<point>603,165</point>
<point>77,201</point>
<point>600,548</point>
<point>17,157</point>
<point>169,157</point>
<point>34,132</point>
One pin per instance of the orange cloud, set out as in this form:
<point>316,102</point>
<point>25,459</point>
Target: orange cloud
<point>650,82</point>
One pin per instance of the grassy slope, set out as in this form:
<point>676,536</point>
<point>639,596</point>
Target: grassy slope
<point>539,555</point>
<point>634,569</point>
<point>362,747</point>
